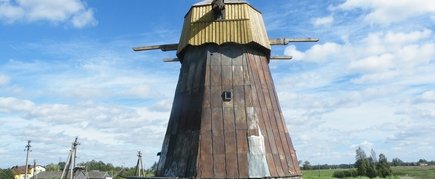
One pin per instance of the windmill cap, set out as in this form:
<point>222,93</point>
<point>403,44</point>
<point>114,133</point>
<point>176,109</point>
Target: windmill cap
<point>206,2</point>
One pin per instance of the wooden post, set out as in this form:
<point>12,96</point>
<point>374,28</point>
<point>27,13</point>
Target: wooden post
<point>27,158</point>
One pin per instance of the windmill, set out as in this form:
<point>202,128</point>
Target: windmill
<point>226,121</point>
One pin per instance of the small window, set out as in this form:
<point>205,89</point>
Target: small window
<point>227,96</point>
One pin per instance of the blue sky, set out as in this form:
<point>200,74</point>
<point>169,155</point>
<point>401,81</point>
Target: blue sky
<point>67,70</point>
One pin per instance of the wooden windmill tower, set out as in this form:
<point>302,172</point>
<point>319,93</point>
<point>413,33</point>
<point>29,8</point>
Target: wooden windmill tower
<point>226,121</point>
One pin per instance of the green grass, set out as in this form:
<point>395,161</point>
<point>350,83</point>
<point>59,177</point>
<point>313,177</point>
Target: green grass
<point>314,174</point>
<point>418,172</point>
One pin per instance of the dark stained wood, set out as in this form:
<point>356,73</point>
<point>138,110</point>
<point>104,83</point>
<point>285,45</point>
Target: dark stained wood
<point>242,150</point>
<point>230,143</point>
<point>205,162</point>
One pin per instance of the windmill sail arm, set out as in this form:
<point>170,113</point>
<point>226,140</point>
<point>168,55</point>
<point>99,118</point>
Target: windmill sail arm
<point>165,47</point>
<point>277,41</point>
<point>285,41</point>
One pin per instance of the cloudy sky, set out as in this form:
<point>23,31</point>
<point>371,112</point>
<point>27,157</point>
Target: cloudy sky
<point>67,70</point>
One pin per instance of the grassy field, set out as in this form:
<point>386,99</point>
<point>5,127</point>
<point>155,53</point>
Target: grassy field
<point>426,172</point>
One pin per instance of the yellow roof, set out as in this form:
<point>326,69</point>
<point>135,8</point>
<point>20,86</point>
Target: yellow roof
<point>242,25</point>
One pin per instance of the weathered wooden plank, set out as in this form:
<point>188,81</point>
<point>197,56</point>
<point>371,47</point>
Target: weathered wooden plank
<point>248,96</point>
<point>219,166</point>
<point>240,118</point>
<point>238,77</point>
<point>242,150</point>
<point>277,160</point>
<point>216,75</point>
<point>193,153</point>
<point>271,164</point>
<point>216,96</point>
<point>217,116</point>
<point>231,152</point>
<point>227,77</point>
<point>218,142</point>
<point>207,97</point>
<point>217,127</point>
<point>215,59</point>
<point>206,120</point>
<point>239,96</point>
<point>205,162</point>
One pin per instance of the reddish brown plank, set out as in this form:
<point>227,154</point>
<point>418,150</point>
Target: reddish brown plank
<point>242,156</point>
<point>227,77</point>
<point>240,118</point>
<point>205,162</point>
<point>238,76</point>
<point>239,96</point>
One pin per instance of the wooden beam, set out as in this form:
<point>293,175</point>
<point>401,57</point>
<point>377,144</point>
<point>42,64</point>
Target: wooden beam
<point>165,47</point>
<point>171,60</point>
<point>281,57</point>
<point>285,41</point>
<point>278,41</point>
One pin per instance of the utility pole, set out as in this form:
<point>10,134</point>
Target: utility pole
<point>34,170</point>
<point>70,161</point>
<point>139,166</point>
<point>27,157</point>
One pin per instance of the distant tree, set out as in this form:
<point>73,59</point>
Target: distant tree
<point>362,163</point>
<point>397,162</point>
<point>362,166</point>
<point>383,166</point>
<point>306,166</point>
<point>52,167</point>
<point>360,154</point>
<point>98,165</point>
<point>422,161</point>
<point>373,157</point>
<point>371,171</point>
<point>6,174</point>
<point>61,165</point>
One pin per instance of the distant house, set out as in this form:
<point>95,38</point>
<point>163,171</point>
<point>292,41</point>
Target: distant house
<point>95,174</point>
<point>20,171</point>
<point>47,175</point>
<point>78,174</point>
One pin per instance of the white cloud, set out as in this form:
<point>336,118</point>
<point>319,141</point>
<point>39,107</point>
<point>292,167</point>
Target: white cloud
<point>4,80</point>
<point>390,11</point>
<point>428,96</point>
<point>59,11</point>
<point>319,52</point>
<point>83,19</point>
<point>10,104</point>
<point>373,63</point>
<point>378,57</point>
<point>365,145</point>
<point>323,21</point>
<point>292,51</point>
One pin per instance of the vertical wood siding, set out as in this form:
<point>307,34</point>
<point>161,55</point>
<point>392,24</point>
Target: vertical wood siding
<point>208,137</point>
